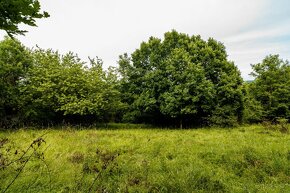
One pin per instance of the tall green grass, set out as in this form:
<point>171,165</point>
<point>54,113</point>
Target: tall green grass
<point>244,159</point>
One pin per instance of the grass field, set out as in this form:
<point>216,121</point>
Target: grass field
<point>243,159</point>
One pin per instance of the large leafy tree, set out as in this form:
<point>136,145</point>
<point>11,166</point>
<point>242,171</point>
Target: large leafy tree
<point>42,86</point>
<point>15,61</point>
<point>271,87</point>
<point>62,87</point>
<point>15,12</point>
<point>189,93</point>
<point>183,79</point>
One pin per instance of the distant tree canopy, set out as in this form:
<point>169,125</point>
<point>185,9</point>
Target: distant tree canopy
<point>270,92</point>
<point>42,86</point>
<point>15,12</point>
<point>181,79</point>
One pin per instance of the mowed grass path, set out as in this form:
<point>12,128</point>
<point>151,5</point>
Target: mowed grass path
<point>244,159</point>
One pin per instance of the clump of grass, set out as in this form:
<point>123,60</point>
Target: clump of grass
<point>76,157</point>
<point>280,124</point>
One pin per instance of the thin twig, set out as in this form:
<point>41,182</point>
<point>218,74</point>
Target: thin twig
<point>26,161</point>
<point>20,170</point>
<point>49,172</point>
<point>90,189</point>
<point>25,152</point>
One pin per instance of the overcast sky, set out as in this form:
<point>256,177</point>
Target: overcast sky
<point>250,29</point>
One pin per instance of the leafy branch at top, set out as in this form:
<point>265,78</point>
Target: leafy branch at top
<point>15,12</point>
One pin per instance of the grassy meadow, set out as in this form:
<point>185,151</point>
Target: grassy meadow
<point>132,159</point>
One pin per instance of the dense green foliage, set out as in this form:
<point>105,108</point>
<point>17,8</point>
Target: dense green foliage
<point>253,110</point>
<point>42,86</point>
<point>244,159</point>
<point>270,92</point>
<point>15,60</point>
<point>180,81</point>
<point>181,78</point>
<point>60,87</point>
<point>15,12</point>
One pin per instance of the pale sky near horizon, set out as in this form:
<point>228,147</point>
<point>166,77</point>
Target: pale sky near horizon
<point>250,29</point>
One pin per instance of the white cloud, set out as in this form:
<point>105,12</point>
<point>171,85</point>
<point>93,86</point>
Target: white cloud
<point>252,46</point>
<point>257,34</point>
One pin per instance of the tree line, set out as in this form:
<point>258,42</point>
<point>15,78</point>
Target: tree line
<point>178,81</point>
